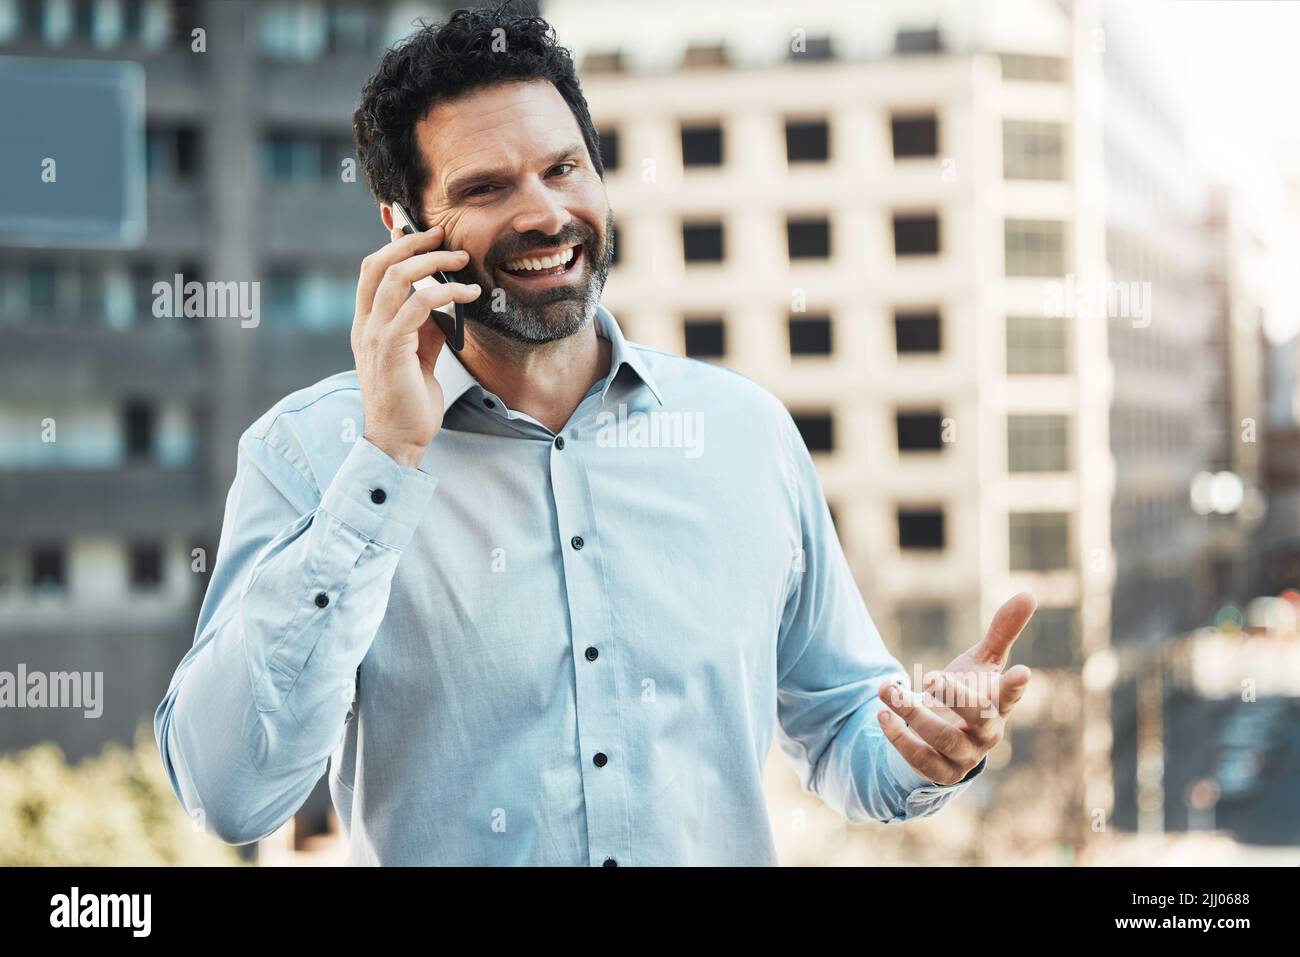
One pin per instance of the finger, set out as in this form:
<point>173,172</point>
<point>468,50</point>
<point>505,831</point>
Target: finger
<point>937,706</point>
<point>922,758</point>
<point>945,737</point>
<point>960,694</point>
<point>431,341</point>
<point>1006,627</point>
<point>400,276</point>
<point>401,247</point>
<point>415,311</point>
<point>1012,688</point>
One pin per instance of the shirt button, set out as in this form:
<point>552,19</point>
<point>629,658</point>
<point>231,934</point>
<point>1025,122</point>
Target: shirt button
<point>600,760</point>
<point>489,403</point>
<point>576,541</point>
<point>559,441</point>
<point>378,496</point>
<point>322,600</point>
<point>610,862</point>
<point>592,654</point>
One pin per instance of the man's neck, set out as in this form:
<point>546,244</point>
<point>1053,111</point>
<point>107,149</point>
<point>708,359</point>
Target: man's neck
<point>546,381</point>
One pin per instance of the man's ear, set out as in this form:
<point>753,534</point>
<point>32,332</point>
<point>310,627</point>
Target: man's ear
<point>386,214</point>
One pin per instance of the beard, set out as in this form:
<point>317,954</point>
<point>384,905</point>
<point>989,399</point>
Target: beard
<point>549,314</point>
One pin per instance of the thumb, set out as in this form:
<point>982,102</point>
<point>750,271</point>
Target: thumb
<point>1007,624</point>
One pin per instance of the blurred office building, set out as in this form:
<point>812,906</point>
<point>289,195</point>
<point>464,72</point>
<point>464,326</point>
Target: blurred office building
<point>1277,547</point>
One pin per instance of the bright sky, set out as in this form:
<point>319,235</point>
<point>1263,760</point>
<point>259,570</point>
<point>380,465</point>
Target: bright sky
<point>1241,70</point>
<point>1238,66</point>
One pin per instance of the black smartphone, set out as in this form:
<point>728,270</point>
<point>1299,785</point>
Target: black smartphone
<point>452,324</point>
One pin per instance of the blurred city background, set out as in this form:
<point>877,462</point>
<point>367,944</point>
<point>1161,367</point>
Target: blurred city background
<point>1025,272</point>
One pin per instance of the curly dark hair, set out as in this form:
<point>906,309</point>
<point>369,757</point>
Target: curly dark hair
<point>440,62</point>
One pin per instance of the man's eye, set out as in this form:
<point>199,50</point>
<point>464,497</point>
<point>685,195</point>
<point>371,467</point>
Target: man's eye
<point>474,190</point>
<point>562,165</point>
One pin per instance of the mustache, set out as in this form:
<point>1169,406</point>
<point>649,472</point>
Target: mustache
<point>528,242</point>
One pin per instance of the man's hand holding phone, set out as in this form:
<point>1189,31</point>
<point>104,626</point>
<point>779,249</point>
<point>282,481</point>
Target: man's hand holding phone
<point>395,344</point>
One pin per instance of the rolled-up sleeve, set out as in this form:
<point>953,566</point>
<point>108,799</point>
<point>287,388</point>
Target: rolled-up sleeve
<point>831,664</point>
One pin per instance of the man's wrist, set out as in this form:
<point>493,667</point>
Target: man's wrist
<point>404,454</point>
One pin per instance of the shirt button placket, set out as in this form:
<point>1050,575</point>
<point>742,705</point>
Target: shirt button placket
<point>604,781</point>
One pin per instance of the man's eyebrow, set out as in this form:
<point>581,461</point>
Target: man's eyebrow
<point>465,180</point>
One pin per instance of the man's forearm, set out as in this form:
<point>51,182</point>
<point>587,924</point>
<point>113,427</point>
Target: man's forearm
<point>259,703</point>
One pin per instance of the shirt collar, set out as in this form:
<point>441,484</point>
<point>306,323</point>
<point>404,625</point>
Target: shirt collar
<point>456,380</point>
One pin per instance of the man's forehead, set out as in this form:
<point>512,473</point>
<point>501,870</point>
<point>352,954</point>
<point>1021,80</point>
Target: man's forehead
<point>505,123</point>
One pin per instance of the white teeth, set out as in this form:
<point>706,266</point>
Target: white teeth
<point>545,262</point>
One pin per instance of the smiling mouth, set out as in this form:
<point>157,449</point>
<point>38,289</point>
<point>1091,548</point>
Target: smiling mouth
<point>541,267</point>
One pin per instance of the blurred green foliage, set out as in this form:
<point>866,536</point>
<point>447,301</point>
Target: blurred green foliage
<point>116,808</point>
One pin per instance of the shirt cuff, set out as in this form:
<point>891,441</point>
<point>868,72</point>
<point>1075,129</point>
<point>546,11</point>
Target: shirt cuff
<point>382,500</point>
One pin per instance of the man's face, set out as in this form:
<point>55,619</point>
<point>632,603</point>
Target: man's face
<point>511,180</point>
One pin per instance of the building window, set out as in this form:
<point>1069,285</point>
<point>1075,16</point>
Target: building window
<point>703,242</point>
<point>607,144</point>
<point>920,528</point>
<point>304,158</point>
<point>916,332</point>
<point>603,61</point>
<point>1036,345</point>
<point>27,21</point>
<point>923,628</point>
<point>146,566</point>
<point>49,568</point>
<point>808,238</point>
<point>704,55</point>
<point>807,141</point>
<point>138,430</point>
<point>348,28</point>
<point>812,50</point>
<point>919,431</point>
<point>311,299</point>
<point>915,136</point>
<point>910,42</point>
<point>916,234</point>
<point>333,151</point>
<point>1033,150</point>
<point>41,290</point>
<point>296,30</point>
<point>702,145</point>
<point>810,335</point>
<point>171,154</point>
<point>705,338</point>
<point>1037,443</point>
<point>1035,247</point>
<point>287,158</point>
<point>1040,541</point>
<point>83,20</point>
<point>817,430</point>
<point>1050,640</point>
<point>1025,66</point>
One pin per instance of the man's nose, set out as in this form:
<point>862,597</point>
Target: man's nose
<point>539,209</point>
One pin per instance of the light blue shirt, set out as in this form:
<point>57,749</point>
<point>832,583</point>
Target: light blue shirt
<point>536,648</point>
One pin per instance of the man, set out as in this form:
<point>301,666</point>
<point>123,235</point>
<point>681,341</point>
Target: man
<point>512,627</point>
